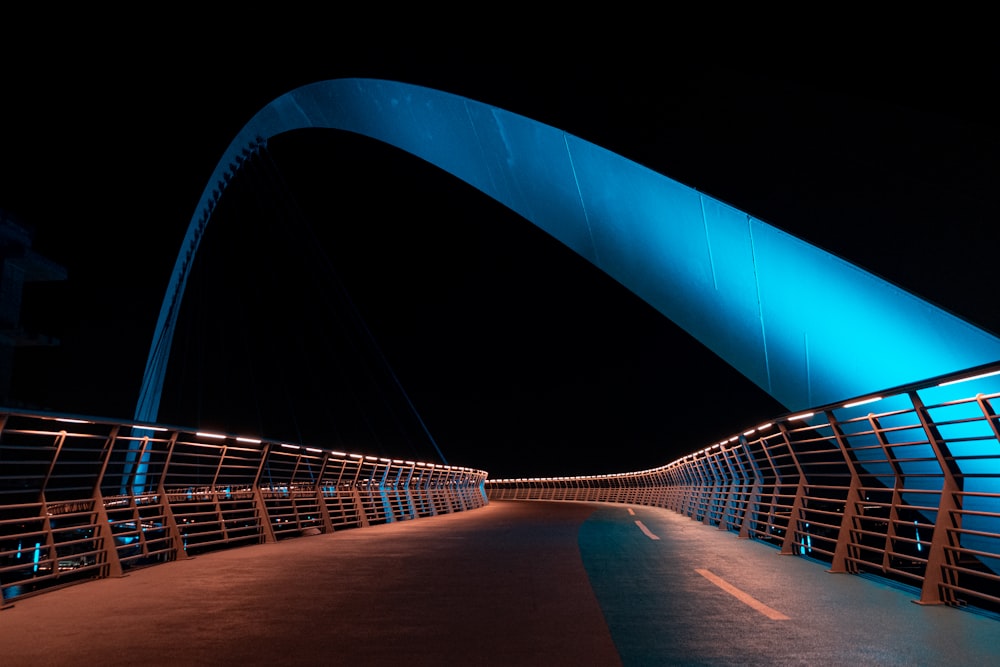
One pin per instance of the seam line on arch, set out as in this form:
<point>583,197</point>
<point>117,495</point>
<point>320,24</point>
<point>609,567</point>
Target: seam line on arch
<point>760,306</point>
<point>583,205</point>
<point>708,241</point>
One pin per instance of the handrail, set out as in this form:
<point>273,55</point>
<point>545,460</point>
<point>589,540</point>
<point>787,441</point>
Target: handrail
<point>904,485</point>
<point>72,506</point>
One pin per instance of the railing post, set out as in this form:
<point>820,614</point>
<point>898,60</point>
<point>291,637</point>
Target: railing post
<point>753,498</point>
<point>408,492</point>
<point>710,487</point>
<point>722,485</point>
<point>176,538</point>
<point>455,484</point>
<point>223,528</point>
<point>702,488</point>
<point>794,514</point>
<point>845,536</point>
<point>258,498</point>
<point>939,578</point>
<point>677,483</point>
<point>690,496</point>
<point>426,480</point>
<point>897,494</point>
<point>659,492</point>
<point>104,533</point>
<point>383,492</point>
<point>989,414</point>
<point>730,509</point>
<point>324,510</point>
<point>776,484</point>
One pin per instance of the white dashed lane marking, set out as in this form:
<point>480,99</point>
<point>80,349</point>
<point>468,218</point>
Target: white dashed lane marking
<point>743,597</point>
<point>646,531</point>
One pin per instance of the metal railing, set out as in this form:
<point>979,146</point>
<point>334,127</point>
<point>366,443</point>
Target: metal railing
<point>85,498</point>
<point>903,485</point>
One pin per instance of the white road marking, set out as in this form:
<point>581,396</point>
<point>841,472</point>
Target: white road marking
<point>745,598</point>
<point>648,533</point>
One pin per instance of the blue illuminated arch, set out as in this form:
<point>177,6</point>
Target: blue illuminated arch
<point>805,326</point>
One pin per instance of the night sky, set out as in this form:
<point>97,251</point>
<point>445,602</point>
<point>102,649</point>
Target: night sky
<point>519,356</point>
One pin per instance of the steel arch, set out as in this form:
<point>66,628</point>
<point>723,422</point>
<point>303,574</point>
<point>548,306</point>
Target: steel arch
<point>807,327</point>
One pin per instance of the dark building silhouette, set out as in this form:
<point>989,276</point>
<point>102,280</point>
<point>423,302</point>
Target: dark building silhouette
<point>19,264</point>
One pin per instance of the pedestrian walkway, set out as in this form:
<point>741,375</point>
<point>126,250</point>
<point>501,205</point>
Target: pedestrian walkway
<point>513,583</point>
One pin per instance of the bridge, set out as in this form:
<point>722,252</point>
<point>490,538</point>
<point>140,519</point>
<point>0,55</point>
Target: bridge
<point>885,466</point>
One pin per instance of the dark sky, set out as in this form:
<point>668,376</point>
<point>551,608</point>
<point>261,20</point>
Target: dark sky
<point>519,356</point>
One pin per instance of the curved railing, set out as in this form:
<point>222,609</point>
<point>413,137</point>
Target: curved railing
<point>64,516</point>
<point>904,484</point>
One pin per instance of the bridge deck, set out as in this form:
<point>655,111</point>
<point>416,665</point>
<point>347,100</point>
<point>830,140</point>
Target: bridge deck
<point>513,583</point>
